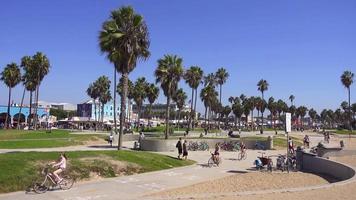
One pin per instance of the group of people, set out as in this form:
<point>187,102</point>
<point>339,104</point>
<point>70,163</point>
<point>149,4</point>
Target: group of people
<point>182,149</point>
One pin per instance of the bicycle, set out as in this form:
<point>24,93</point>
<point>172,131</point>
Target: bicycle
<point>49,181</point>
<point>212,160</point>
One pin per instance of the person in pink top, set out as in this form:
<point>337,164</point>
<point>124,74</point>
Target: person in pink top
<point>60,166</point>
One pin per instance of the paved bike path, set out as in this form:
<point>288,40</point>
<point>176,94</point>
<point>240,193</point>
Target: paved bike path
<point>137,186</point>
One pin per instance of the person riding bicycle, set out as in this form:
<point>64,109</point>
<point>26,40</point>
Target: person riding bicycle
<point>60,166</point>
<point>216,153</point>
<point>291,146</point>
<point>306,141</point>
<point>242,147</point>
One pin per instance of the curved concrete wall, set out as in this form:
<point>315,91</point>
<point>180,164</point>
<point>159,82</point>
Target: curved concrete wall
<point>315,164</point>
<point>152,144</point>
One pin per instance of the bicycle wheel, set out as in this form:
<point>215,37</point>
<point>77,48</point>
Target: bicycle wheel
<point>210,162</point>
<point>66,183</point>
<point>239,156</point>
<point>244,155</point>
<point>40,188</point>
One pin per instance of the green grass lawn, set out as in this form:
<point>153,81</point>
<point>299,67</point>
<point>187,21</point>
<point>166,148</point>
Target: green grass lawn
<point>18,170</point>
<point>344,132</point>
<point>282,142</point>
<point>15,139</point>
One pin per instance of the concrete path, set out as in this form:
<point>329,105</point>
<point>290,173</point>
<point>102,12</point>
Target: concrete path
<point>137,186</point>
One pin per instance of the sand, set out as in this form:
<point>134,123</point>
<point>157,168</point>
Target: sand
<point>252,181</point>
<point>215,189</point>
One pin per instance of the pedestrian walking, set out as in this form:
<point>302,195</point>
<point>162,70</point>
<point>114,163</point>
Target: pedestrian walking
<point>185,150</point>
<point>179,147</point>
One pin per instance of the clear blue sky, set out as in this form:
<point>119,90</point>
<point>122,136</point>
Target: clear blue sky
<point>300,47</point>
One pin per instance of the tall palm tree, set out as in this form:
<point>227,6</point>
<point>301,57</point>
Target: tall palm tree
<point>247,106</point>
<point>93,92</point>
<point>179,97</point>
<point>139,96</point>
<point>41,69</point>
<point>207,96</point>
<point>271,108</point>
<point>193,77</point>
<point>11,76</point>
<point>102,84</point>
<point>124,39</point>
<point>152,95</point>
<point>27,79</point>
<point>262,87</point>
<point>312,114</point>
<point>168,73</point>
<point>302,111</point>
<point>252,106</point>
<point>291,98</point>
<point>347,78</point>
<point>221,76</point>
<point>237,109</point>
<point>119,90</point>
<point>210,79</point>
<point>258,105</point>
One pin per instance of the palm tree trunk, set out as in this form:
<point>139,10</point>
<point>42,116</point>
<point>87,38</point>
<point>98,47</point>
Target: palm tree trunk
<point>209,113</point>
<point>262,114</point>
<point>96,123</point>
<point>149,115</point>
<point>167,116</point>
<point>258,116</point>
<point>350,119</point>
<point>178,118</point>
<point>115,110</point>
<point>206,112</point>
<point>8,110</point>
<point>123,109</point>
<point>191,111</point>
<point>220,103</point>
<point>36,108</point>
<point>30,114</point>
<point>195,106</point>
<point>138,116</point>
<point>19,115</point>
<point>102,116</point>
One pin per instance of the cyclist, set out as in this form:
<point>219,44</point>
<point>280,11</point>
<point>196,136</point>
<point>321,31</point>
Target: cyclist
<point>242,147</point>
<point>216,153</point>
<point>60,166</point>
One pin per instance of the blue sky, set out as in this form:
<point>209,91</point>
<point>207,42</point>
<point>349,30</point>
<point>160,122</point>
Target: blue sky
<point>300,47</point>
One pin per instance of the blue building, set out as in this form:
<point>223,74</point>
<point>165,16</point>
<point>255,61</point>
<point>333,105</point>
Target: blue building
<point>15,115</point>
<point>87,110</point>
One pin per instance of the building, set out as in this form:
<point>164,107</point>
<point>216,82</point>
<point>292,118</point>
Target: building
<point>24,116</point>
<point>156,108</point>
<point>59,106</point>
<point>87,110</point>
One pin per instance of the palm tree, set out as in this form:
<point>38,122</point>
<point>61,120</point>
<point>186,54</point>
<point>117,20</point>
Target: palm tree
<point>344,105</point>
<point>252,102</point>
<point>291,98</point>
<point>226,112</point>
<point>124,38</point>
<point>41,69</point>
<point>179,97</point>
<point>302,111</point>
<point>11,76</point>
<point>347,78</point>
<point>210,79</point>
<point>271,108</point>
<point>152,95</point>
<point>102,85</point>
<point>207,96</point>
<point>262,87</point>
<point>221,77</point>
<point>193,77</point>
<point>312,114</point>
<point>168,74</point>
<point>93,93</point>
<point>237,109</point>
<point>139,96</point>
<point>247,106</point>
<point>27,79</point>
<point>258,104</point>
<point>130,97</point>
